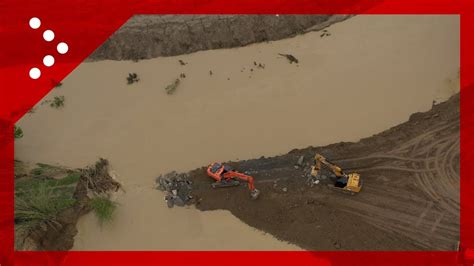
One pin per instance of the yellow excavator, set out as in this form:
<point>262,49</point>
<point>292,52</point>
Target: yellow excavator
<point>351,183</point>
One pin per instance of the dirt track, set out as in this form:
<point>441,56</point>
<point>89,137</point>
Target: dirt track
<point>410,198</point>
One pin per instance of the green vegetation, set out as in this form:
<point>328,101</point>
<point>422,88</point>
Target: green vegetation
<point>17,132</point>
<point>31,183</point>
<point>170,89</point>
<point>57,102</point>
<point>132,78</point>
<point>45,169</point>
<point>39,201</point>
<point>42,194</point>
<point>103,208</point>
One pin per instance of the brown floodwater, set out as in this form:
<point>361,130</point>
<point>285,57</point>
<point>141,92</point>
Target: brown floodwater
<point>369,75</point>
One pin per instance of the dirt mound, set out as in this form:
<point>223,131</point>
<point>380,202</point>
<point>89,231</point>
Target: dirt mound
<point>410,198</point>
<point>150,36</point>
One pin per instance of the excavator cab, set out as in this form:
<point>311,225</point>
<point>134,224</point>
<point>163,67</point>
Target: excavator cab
<point>215,167</point>
<point>341,181</point>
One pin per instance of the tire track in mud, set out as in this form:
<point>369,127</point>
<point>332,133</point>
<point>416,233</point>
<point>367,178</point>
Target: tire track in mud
<point>430,160</point>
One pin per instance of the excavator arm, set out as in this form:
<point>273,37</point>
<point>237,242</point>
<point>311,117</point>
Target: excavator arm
<point>320,160</point>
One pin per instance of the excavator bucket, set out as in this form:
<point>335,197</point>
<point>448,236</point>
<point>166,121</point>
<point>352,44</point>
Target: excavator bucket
<point>254,194</point>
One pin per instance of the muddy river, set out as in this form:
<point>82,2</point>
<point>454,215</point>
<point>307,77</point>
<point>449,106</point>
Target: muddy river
<point>370,74</point>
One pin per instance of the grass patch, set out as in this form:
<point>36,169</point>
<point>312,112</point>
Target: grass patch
<point>31,183</point>
<point>103,208</point>
<point>57,102</point>
<point>45,169</point>
<point>38,202</point>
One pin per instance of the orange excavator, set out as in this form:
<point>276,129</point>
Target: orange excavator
<point>226,176</point>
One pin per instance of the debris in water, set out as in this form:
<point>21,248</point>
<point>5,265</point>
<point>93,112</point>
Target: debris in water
<point>132,78</point>
<point>98,178</point>
<point>170,89</point>
<point>290,58</point>
<point>325,33</point>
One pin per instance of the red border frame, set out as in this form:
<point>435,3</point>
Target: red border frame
<point>84,25</point>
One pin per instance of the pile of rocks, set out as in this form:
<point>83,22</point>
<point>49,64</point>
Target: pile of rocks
<point>178,188</point>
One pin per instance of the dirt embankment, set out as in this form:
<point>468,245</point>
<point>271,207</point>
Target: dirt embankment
<point>410,198</point>
<point>150,36</point>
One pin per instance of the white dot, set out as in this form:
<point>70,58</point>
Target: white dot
<point>48,60</point>
<point>62,48</point>
<point>35,23</point>
<point>48,35</point>
<point>35,73</point>
<point>277,15</point>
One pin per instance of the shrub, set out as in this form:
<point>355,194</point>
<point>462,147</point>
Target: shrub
<point>17,132</point>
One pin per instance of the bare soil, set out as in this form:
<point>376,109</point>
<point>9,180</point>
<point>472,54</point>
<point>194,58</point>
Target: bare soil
<point>409,201</point>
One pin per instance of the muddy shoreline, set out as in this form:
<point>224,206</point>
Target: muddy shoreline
<point>143,36</point>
